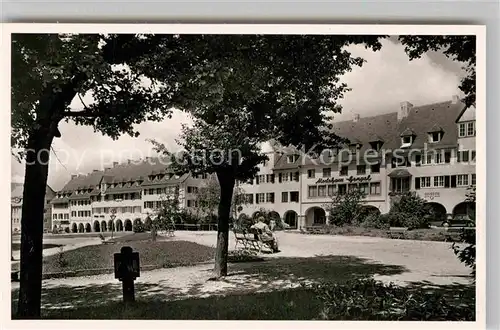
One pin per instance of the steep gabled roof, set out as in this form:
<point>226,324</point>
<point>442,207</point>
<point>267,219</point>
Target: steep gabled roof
<point>442,114</point>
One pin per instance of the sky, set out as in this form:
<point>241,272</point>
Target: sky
<point>385,79</point>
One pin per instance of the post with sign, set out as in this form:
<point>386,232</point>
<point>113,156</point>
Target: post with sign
<point>112,217</point>
<point>127,269</point>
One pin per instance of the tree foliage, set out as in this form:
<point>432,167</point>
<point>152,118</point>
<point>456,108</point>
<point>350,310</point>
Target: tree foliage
<point>48,72</point>
<point>460,48</point>
<point>254,88</point>
<point>346,209</point>
<point>466,249</point>
<point>410,210</point>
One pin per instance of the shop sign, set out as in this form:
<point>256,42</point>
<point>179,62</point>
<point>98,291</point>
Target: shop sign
<point>351,179</point>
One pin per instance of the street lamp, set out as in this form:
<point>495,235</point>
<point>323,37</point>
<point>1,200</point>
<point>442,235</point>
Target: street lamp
<point>113,217</point>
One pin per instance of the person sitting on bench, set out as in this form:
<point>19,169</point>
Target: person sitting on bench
<point>267,235</point>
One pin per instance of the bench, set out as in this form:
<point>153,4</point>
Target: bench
<point>252,238</point>
<point>315,229</point>
<point>397,232</point>
<point>104,241</point>
<point>452,234</point>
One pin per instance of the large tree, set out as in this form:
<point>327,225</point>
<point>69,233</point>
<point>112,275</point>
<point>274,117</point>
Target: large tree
<point>48,72</point>
<point>254,88</point>
<point>461,48</point>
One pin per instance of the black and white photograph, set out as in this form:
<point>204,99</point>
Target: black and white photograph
<point>247,173</point>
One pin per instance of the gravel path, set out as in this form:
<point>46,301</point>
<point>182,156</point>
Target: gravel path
<point>302,257</point>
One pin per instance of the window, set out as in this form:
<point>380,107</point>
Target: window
<point>284,197</point>
<point>292,158</point>
<point>400,185</point>
<point>473,179</point>
<point>461,130</point>
<point>294,196</point>
<point>321,191</point>
<point>260,198</point>
<point>341,189</point>
<point>425,182</point>
<point>376,145</point>
<point>463,156</point>
<point>439,158</point>
<point>190,203</point>
<point>311,174</point>
<point>270,178</point>
<point>375,188</point>
<point>434,137</point>
<point>406,140</point>
<point>313,191</point>
<point>332,190</point>
<point>439,181</point>
<point>375,168</point>
<point>284,177</point>
<point>353,148</point>
<point>327,172</point>
<point>428,159</point>
<point>352,187</point>
<point>364,188</point>
<point>361,169</point>
<point>270,197</point>
<point>462,180</point>
<point>471,129</point>
<point>344,170</point>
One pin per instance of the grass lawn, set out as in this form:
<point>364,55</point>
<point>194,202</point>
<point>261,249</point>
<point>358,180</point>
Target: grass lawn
<point>17,246</point>
<point>99,258</point>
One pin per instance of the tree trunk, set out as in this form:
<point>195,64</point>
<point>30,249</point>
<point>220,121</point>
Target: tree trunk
<point>226,181</point>
<point>35,182</point>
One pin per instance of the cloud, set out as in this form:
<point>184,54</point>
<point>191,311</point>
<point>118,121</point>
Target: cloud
<point>388,78</point>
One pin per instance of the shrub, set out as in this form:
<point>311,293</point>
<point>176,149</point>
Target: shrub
<point>346,209</point>
<point>467,253</point>
<point>367,299</point>
<point>66,230</point>
<point>411,211</point>
<point>376,221</point>
<point>138,227</point>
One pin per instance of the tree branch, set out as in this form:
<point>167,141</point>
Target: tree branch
<point>85,113</point>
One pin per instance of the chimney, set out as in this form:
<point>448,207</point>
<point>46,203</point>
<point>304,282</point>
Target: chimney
<point>454,99</point>
<point>115,164</point>
<point>356,117</point>
<point>404,110</point>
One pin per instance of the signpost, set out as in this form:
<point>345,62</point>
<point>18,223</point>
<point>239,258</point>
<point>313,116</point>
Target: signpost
<point>113,217</point>
<point>127,269</point>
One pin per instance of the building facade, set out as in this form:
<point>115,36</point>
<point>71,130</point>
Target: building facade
<point>113,198</point>
<point>429,149</point>
<point>17,203</point>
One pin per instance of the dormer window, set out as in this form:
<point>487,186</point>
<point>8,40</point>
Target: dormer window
<point>407,138</point>
<point>435,134</point>
<point>376,145</point>
<point>292,159</point>
<point>435,137</point>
